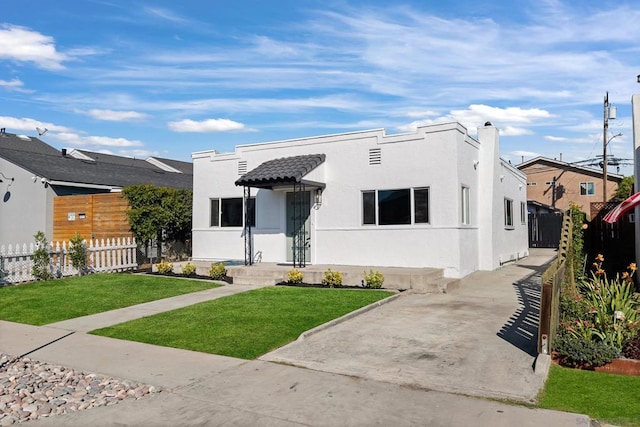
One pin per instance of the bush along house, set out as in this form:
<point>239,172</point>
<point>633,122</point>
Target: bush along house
<point>436,197</point>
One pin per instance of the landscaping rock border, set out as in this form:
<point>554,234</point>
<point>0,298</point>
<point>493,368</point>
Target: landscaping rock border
<point>31,389</point>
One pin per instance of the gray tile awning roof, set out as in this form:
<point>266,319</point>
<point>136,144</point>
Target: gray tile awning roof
<point>282,171</point>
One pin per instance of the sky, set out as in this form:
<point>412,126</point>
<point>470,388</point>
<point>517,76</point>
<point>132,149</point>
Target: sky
<point>165,78</point>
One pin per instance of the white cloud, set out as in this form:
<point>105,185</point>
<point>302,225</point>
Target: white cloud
<point>477,115</point>
<point>556,138</point>
<point>421,114</point>
<point>114,116</point>
<point>13,84</point>
<point>94,141</point>
<point>24,45</point>
<point>209,125</point>
<point>514,131</point>
<point>522,153</point>
<point>480,113</point>
<point>166,15</point>
<point>27,124</point>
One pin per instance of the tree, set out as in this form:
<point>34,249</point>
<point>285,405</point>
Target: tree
<point>160,213</point>
<point>41,268</point>
<point>624,190</point>
<point>78,253</point>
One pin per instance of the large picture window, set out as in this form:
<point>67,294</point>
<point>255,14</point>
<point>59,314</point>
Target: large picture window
<point>395,207</point>
<point>230,212</point>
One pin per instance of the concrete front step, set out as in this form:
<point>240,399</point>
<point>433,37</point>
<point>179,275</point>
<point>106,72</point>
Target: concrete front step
<point>418,280</point>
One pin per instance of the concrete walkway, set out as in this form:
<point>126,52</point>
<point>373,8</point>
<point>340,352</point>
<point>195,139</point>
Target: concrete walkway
<point>479,340</point>
<point>204,389</point>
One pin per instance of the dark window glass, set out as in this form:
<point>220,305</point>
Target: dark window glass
<point>369,207</point>
<point>421,205</point>
<point>394,207</point>
<point>251,211</point>
<point>231,212</point>
<point>508,212</point>
<point>214,221</point>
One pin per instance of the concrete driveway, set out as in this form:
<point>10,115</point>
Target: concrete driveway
<point>479,340</point>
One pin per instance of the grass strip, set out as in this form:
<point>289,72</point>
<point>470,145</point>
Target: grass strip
<point>245,325</point>
<point>40,303</point>
<point>609,398</point>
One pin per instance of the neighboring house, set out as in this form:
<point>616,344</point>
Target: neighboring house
<point>433,198</point>
<point>33,173</point>
<point>558,184</point>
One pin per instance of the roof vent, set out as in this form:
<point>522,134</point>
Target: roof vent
<point>242,167</point>
<point>375,156</point>
<point>64,152</point>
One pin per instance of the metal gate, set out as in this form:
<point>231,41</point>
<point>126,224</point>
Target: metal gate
<point>544,230</point>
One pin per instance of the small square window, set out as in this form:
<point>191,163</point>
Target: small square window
<point>587,188</point>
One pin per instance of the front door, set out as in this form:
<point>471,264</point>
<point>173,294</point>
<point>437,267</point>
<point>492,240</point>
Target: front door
<point>300,228</point>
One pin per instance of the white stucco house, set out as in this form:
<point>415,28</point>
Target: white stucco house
<point>436,198</point>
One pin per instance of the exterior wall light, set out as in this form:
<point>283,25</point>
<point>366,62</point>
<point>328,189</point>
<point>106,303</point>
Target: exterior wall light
<point>318,196</point>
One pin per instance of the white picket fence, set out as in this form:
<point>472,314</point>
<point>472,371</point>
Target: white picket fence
<point>108,255</point>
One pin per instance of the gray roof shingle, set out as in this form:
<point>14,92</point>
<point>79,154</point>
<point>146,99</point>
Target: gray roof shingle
<point>41,159</point>
<point>282,171</point>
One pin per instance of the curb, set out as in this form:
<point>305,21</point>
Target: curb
<point>347,316</point>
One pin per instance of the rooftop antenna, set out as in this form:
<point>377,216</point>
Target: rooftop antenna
<point>41,131</point>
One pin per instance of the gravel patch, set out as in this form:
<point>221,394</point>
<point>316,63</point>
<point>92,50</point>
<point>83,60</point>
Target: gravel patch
<point>30,390</point>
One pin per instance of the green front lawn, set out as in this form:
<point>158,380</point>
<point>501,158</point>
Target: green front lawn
<point>606,397</point>
<point>245,325</point>
<point>52,301</point>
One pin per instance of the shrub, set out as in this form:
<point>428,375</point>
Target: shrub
<point>41,268</point>
<point>576,255</point>
<point>188,269</point>
<point>632,349</point>
<point>332,278</point>
<point>373,279</point>
<point>164,267</point>
<point>572,304</point>
<point>217,271</point>
<point>612,308</point>
<point>582,352</point>
<point>78,253</point>
<point>294,276</point>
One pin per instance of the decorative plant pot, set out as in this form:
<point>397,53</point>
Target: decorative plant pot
<point>630,367</point>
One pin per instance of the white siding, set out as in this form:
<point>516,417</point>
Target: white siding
<point>440,157</point>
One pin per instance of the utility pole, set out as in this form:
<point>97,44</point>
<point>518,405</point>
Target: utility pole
<point>609,113</point>
<point>604,148</point>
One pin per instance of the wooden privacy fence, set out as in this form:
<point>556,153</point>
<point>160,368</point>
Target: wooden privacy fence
<point>108,255</point>
<point>552,280</point>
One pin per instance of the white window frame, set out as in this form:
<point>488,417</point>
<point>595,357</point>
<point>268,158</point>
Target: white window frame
<point>465,205</point>
<point>508,213</point>
<point>219,213</point>
<point>412,206</point>
<point>585,186</point>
